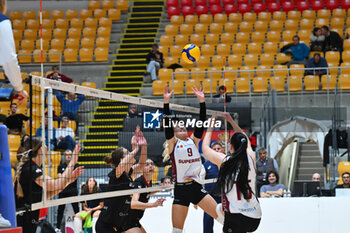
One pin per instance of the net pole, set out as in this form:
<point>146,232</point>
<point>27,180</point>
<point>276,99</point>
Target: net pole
<point>226,137</point>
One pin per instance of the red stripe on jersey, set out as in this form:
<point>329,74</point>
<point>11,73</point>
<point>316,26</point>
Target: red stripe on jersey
<point>225,203</point>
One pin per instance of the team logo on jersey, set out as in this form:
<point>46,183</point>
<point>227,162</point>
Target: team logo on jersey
<point>151,120</point>
<point>179,146</point>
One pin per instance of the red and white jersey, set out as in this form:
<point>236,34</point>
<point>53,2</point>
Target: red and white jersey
<point>234,202</point>
<point>186,161</point>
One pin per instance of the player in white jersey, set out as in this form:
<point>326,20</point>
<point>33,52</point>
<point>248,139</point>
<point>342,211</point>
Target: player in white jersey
<point>236,180</point>
<point>187,165</point>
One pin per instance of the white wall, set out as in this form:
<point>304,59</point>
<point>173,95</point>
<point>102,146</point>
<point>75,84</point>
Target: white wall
<point>280,215</point>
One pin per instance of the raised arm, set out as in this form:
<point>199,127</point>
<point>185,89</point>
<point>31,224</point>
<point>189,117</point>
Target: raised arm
<point>140,140</point>
<point>169,131</point>
<point>138,205</point>
<point>198,131</point>
<point>126,163</point>
<point>213,156</point>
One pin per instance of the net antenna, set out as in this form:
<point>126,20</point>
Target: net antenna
<point>226,137</point>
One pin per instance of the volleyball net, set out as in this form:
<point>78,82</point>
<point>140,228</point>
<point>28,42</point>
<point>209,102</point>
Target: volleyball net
<point>100,121</point>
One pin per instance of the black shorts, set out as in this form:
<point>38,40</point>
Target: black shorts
<point>132,222</point>
<point>111,222</point>
<point>239,223</point>
<point>190,192</point>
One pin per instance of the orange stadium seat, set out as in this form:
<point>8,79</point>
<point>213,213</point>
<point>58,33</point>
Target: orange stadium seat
<point>101,54</point>
<point>229,84</point>
<point>46,44</point>
<point>107,4</point>
<point>324,13</point>
<point>175,51</point>
<point>273,36</point>
<point>235,60</point>
<point>227,38</point>
<point>165,74</point>
<point>299,72</point>
<point>191,83</point>
<point>57,44</point>
<point>294,15</point>
<point>279,16</point>
<point>166,40</point>
<point>306,24</point>
<point>158,86</point>
<point>177,86</point>
<point>186,29</point>
<point>239,49</point>
<point>198,76</point>
<point>260,84</point>
<point>72,14</point>
<point>177,20</point>
<point>59,33</point>
<point>72,43</point>
<point>16,15</point>
<point>122,5</point>
<point>246,72</point>
<point>295,83</point>
<point>114,14</point>
<point>261,73</point>
<point>254,48</point>
<point>288,36</point>
<point>61,23</point>
<point>311,83</point>
<point>243,37</point>
<point>277,83</point>
<point>209,85</point>
<point>170,60</point>
<point>85,55</point>
<point>250,60</point>
<point>215,28</point>
<point>104,32</point>
<point>57,14</point>
<point>181,40</point>
<point>182,77</point>
<point>276,26</point>
<point>203,62</point>
<point>87,43</point>
<point>76,23</point>
<point>27,45</point>
<point>47,34</point>
<point>321,21</point>
<point>333,56</point>
<point>45,14</point>
<point>249,17</point>
<point>270,47</point>
<point>90,22</point>
<point>212,39</point>
<point>231,72</point>
<point>162,49</point>
<point>33,24</point>
<point>191,19</point>
<point>102,42</point>
<point>260,26</point>
<point>230,27</point>
<point>267,59</point>
<point>92,5</point>
<point>218,61</point>
<point>37,56</point>
<point>220,18</point>
<point>100,13</point>
<point>197,39</point>
<point>48,24</point>
<point>309,14</point>
<point>282,58</point>
<point>264,16</point>
<point>304,36</point>
<point>201,29</point>
<point>89,84</point>
<point>89,32</point>
<point>19,24</point>
<point>29,15</point>
<point>171,29</point>
<point>242,85</point>
<point>223,49</point>
<point>24,56</point>
<point>84,14</point>
<point>17,34</point>
<point>74,33</point>
<point>328,82</point>
<point>30,34</point>
<point>245,27</point>
<point>344,81</point>
<point>235,18</point>
<point>280,71</point>
<point>206,19</point>
<point>291,25</point>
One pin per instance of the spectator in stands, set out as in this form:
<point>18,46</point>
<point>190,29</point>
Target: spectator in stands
<point>133,111</point>
<point>70,191</point>
<point>346,181</point>
<point>70,106</point>
<point>299,51</point>
<point>221,94</point>
<point>165,181</point>
<point>273,189</point>
<point>2,119</point>
<point>56,75</point>
<point>316,177</point>
<point>264,165</point>
<point>155,61</point>
<point>65,136</point>
<point>333,41</point>
<point>317,62</point>
<point>51,146</point>
<point>317,40</point>
<point>14,122</point>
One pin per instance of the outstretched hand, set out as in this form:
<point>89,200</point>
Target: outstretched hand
<point>76,152</point>
<point>158,202</point>
<point>199,94</point>
<point>211,123</point>
<point>76,173</point>
<point>166,94</point>
<point>22,97</point>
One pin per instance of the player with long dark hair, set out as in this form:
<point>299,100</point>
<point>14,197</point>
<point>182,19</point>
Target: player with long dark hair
<point>236,180</point>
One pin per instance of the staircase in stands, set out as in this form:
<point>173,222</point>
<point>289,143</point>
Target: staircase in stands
<point>126,77</point>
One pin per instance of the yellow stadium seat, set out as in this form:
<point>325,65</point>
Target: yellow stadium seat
<point>339,13</point>
<point>158,86</point>
<point>260,26</point>
<point>72,43</point>
<point>85,13</point>
<point>181,40</point>
<point>258,37</point>
<point>279,16</point>
<point>30,34</point>
<point>24,56</point>
<point>216,28</point>
<point>346,56</point>
<point>324,13</point>
<point>235,18</point>
<point>276,26</point>
<point>72,14</point>
<point>48,24</point>
<point>321,21</point>
<point>231,72</point>
<point>291,25</point>
<point>177,86</point>
<point>47,34</point>
<point>249,17</point>
<point>332,56</point>
<point>295,83</point>
<point>309,14</point>
<point>299,72</point>
<point>175,51</point>
<point>122,5</point>
<point>100,13</point>
<point>235,60</point>
<point>306,24</point>
<point>61,23</point>
<point>191,19</point>
<point>230,27</point>
<point>104,32</point>
<point>209,85</point>
<point>270,47</point>
<point>57,44</point>
<point>14,142</point>
<point>197,39</point>
<point>242,85</point>
<point>294,15</point>
<point>107,4</point>
<point>90,23</point>
<point>162,49</point>
<point>337,23</point>
<point>343,68</point>
<point>16,15</point>
<point>228,83</point>
<point>171,30</point>
<point>89,84</point>
<point>239,49</point>
<point>37,56</point>
<point>165,74</point>
<point>74,33</point>
<point>277,83</point>
<point>17,34</point>
<point>311,83</point>
<point>223,49</point>
<point>33,24</point>
<point>92,5</point>
<point>343,166</point>
<point>89,32</point>
<point>114,14</point>
<point>254,48</point>
<point>203,61</point>
<point>54,55</point>
<point>18,24</point>
<point>59,33</point>
<point>198,76</point>
<point>17,45</point>
<point>304,36</point>
<point>218,61</point>
<point>333,70</point>
<point>282,58</point>
<point>177,20</point>
<point>250,60</point>
<point>170,60</point>
<point>344,81</point>
<point>102,42</point>
<point>242,37</point>
<point>260,84</point>
<point>227,38</point>
<point>186,29</point>
<point>261,73</point>
<point>246,72</point>
<point>280,71</point>
<point>273,36</point>
<point>264,16</point>
<point>27,45</point>
<point>190,83</point>
<point>267,59</point>
<point>87,43</point>
<point>70,55</point>
<point>57,14</point>
<point>29,15</point>
<point>201,29</point>
<point>184,64</point>
<point>208,50</point>
<point>288,35</point>
<point>245,27</point>
<point>101,54</point>
<point>85,54</point>
<point>220,18</point>
<point>212,39</point>
<point>205,19</point>
<point>183,77</point>
<point>215,73</point>
<point>13,159</point>
<point>340,31</point>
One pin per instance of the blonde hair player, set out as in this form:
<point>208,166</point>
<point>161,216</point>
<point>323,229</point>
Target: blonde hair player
<point>236,180</point>
<point>186,165</point>
<point>8,56</point>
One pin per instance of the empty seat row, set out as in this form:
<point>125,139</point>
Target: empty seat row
<point>107,4</point>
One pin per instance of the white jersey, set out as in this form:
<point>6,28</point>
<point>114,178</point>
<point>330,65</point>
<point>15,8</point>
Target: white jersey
<point>186,161</point>
<point>234,202</point>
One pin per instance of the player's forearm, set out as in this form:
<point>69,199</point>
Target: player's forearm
<point>169,131</point>
<point>138,205</point>
<point>198,131</point>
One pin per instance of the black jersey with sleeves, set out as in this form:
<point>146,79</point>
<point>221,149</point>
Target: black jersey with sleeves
<point>141,182</point>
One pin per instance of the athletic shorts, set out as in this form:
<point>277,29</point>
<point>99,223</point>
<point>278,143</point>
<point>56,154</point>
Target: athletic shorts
<point>239,223</point>
<point>190,192</point>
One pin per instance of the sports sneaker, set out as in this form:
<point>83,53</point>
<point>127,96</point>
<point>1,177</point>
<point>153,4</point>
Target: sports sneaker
<point>4,223</point>
<point>57,230</point>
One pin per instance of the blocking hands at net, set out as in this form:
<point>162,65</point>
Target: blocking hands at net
<point>187,166</point>
<point>29,181</point>
<point>236,180</point>
<point>8,56</point>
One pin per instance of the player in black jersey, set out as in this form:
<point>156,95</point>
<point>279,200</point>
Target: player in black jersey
<point>113,217</point>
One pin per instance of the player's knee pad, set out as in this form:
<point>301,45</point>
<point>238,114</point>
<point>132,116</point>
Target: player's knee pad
<point>176,230</point>
<point>220,217</point>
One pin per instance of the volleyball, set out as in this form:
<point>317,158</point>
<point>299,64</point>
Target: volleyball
<point>191,53</point>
